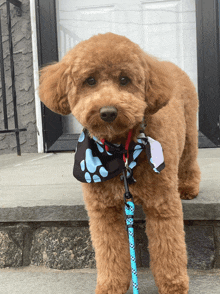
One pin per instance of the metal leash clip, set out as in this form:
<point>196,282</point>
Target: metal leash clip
<point>129,175</point>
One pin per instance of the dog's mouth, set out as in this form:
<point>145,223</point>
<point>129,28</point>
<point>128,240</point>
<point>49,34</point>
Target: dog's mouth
<point>111,123</point>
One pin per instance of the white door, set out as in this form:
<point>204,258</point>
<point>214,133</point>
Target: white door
<point>166,29</point>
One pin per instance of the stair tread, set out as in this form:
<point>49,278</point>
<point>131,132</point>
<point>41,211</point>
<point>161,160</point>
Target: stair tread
<point>37,280</point>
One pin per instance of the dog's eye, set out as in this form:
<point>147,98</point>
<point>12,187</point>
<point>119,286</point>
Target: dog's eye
<point>124,81</point>
<point>90,81</point>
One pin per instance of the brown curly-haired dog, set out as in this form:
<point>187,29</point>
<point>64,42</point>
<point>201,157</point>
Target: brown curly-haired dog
<point>110,70</point>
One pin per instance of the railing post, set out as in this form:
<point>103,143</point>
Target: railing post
<point>13,79</point>
<point>3,79</point>
<point>16,130</point>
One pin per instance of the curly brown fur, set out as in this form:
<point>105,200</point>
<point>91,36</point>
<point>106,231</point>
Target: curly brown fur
<point>164,95</point>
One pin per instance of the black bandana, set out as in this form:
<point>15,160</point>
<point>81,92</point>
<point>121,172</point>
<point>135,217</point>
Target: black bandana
<point>94,164</point>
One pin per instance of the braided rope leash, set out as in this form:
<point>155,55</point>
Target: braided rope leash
<point>129,212</point>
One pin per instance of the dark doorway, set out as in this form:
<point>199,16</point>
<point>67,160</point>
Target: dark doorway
<point>208,72</point>
<point>54,139</point>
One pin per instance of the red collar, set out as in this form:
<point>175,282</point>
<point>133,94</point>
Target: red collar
<point>128,141</point>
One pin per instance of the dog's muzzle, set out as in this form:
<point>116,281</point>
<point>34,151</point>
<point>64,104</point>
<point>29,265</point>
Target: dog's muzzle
<point>108,113</point>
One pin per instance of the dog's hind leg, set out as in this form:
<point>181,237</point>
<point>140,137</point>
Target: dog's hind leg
<point>189,171</point>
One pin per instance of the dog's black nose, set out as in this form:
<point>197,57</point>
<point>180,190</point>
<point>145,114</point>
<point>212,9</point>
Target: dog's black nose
<point>108,113</point>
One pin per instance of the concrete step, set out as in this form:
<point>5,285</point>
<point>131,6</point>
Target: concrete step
<point>38,280</point>
<point>41,187</point>
<point>42,210</point>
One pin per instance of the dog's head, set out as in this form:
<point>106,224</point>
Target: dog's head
<point>108,83</point>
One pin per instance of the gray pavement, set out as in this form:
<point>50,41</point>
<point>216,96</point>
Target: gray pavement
<point>38,280</point>
<point>38,180</point>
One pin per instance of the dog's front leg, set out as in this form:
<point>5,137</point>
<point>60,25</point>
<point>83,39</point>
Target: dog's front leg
<point>110,240</point>
<point>164,227</point>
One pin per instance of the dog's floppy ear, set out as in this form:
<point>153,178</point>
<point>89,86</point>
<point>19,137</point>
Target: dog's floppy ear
<point>53,88</point>
<point>158,85</point>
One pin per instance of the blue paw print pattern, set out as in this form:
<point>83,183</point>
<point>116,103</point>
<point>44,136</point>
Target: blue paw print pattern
<point>94,164</point>
<point>81,137</point>
<point>88,167</point>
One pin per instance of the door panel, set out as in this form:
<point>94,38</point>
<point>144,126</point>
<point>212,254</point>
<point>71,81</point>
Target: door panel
<point>170,33</point>
<point>209,71</point>
<point>47,53</point>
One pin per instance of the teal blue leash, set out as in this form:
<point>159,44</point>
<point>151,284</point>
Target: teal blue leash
<point>129,213</point>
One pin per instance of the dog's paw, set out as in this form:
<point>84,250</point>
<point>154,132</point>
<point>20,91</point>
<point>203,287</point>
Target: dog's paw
<point>175,287</point>
<point>188,193</point>
<point>111,289</point>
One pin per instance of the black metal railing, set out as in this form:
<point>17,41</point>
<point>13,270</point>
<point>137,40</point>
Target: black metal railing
<point>16,130</point>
